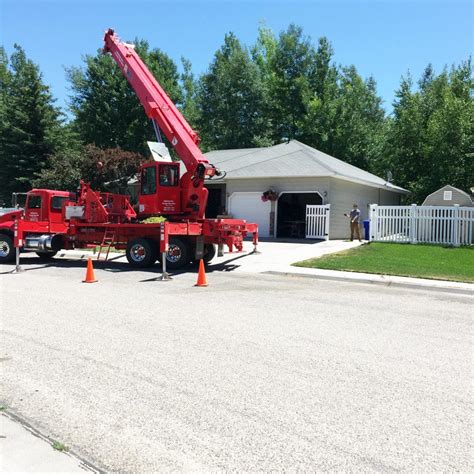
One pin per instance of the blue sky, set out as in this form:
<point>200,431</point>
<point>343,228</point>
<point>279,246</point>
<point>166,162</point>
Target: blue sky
<point>383,38</point>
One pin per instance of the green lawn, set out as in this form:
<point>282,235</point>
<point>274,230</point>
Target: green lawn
<point>424,261</point>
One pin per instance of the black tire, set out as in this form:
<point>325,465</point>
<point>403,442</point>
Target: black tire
<point>46,255</point>
<point>179,253</point>
<point>141,253</point>
<point>7,250</point>
<point>209,252</point>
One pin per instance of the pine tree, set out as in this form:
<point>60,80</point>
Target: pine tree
<point>30,123</point>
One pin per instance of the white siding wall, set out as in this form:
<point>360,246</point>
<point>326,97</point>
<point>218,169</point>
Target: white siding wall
<point>342,194</point>
<point>279,185</point>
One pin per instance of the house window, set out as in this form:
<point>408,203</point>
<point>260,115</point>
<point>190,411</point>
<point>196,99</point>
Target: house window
<point>448,196</point>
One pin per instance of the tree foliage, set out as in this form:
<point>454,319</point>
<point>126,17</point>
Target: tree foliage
<point>30,124</point>
<point>283,87</point>
<point>293,83</point>
<point>189,83</point>
<point>430,141</point>
<point>107,113</point>
<point>105,169</point>
<point>352,119</point>
<point>231,99</point>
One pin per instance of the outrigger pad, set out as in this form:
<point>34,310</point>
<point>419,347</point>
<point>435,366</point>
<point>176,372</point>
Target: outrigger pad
<point>220,250</point>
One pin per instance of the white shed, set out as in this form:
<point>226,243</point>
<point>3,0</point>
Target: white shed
<point>296,175</point>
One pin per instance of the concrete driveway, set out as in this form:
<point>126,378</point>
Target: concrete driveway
<point>254,372</point>
<point>278,255</point>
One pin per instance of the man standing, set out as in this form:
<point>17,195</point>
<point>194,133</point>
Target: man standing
<point>354,217</point>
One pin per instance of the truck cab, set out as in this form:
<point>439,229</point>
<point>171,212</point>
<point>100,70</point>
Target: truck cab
<point>42,214</point>
<point>45,208</point>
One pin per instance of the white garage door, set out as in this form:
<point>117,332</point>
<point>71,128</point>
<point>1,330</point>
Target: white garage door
<point>249,206</point>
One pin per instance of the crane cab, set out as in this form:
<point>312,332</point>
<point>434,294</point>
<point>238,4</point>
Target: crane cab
<point>160,192</point>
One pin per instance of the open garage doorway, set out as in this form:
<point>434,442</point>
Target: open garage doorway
<point>215,201</point>
<point>291,213</point>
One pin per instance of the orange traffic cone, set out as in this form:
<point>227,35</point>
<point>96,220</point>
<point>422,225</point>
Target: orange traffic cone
<point>90,278</point>
<point>201,281</point>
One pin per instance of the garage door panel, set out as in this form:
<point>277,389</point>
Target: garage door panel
<point>249,206</point>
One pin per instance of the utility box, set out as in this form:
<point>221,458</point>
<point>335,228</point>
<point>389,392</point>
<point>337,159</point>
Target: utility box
<point>74,211</point>
<point>366,229</point>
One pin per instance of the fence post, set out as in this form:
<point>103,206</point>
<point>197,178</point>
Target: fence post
<point>372,223</point>
<point>413,235</point>
<point>327,216</point>
<point>456,225</point>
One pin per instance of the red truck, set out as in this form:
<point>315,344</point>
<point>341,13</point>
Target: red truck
<point>55,220</point>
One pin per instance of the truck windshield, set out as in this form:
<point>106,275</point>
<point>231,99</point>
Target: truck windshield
<point>169,175</point>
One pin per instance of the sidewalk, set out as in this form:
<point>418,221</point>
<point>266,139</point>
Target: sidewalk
<point>23,450</point>
<point>387,280</point>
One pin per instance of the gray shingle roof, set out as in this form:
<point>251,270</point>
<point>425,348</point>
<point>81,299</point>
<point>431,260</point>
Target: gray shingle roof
<point>292,159</point>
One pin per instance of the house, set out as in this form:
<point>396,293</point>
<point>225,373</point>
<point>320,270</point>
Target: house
<point>293,175</point>
<point>448,196</point>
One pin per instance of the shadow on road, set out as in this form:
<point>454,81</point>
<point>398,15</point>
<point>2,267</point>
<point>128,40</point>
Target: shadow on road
<point>32,263</point>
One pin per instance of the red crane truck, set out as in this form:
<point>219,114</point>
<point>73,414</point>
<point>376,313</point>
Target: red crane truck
<point>55,220</point>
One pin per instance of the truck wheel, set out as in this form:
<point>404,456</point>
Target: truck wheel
<point>46,255</point>
<point>141,253</point>
<point>209,252</point>
<point>7,250</point>
<point>179,254</point>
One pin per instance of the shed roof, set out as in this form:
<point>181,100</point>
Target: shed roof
<point>292,159</point>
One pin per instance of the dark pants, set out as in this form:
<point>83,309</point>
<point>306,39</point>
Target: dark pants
<point>355,229</point>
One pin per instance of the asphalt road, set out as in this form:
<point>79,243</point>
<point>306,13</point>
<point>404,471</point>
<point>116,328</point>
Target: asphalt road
<point>254,372</point>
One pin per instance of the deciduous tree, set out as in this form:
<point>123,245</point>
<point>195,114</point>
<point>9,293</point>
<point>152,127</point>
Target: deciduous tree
<point>231,100</point>
<point>107,113</point>
<point>431,137</point>
<point>105,169</point>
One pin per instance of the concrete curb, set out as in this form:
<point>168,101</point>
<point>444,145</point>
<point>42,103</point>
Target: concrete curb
<point>385,280</point>
<point>83,463</point>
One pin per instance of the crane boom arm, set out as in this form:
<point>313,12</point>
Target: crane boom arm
<point>159,107</point>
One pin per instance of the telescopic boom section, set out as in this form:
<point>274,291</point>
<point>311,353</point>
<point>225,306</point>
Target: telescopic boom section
<point>160,108</point>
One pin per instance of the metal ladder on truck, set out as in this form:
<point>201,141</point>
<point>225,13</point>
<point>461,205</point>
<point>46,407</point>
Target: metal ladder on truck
<point>107,242</point>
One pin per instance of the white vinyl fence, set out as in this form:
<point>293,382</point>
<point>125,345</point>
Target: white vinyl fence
<point>448,225</point>
<point>317,221</point>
